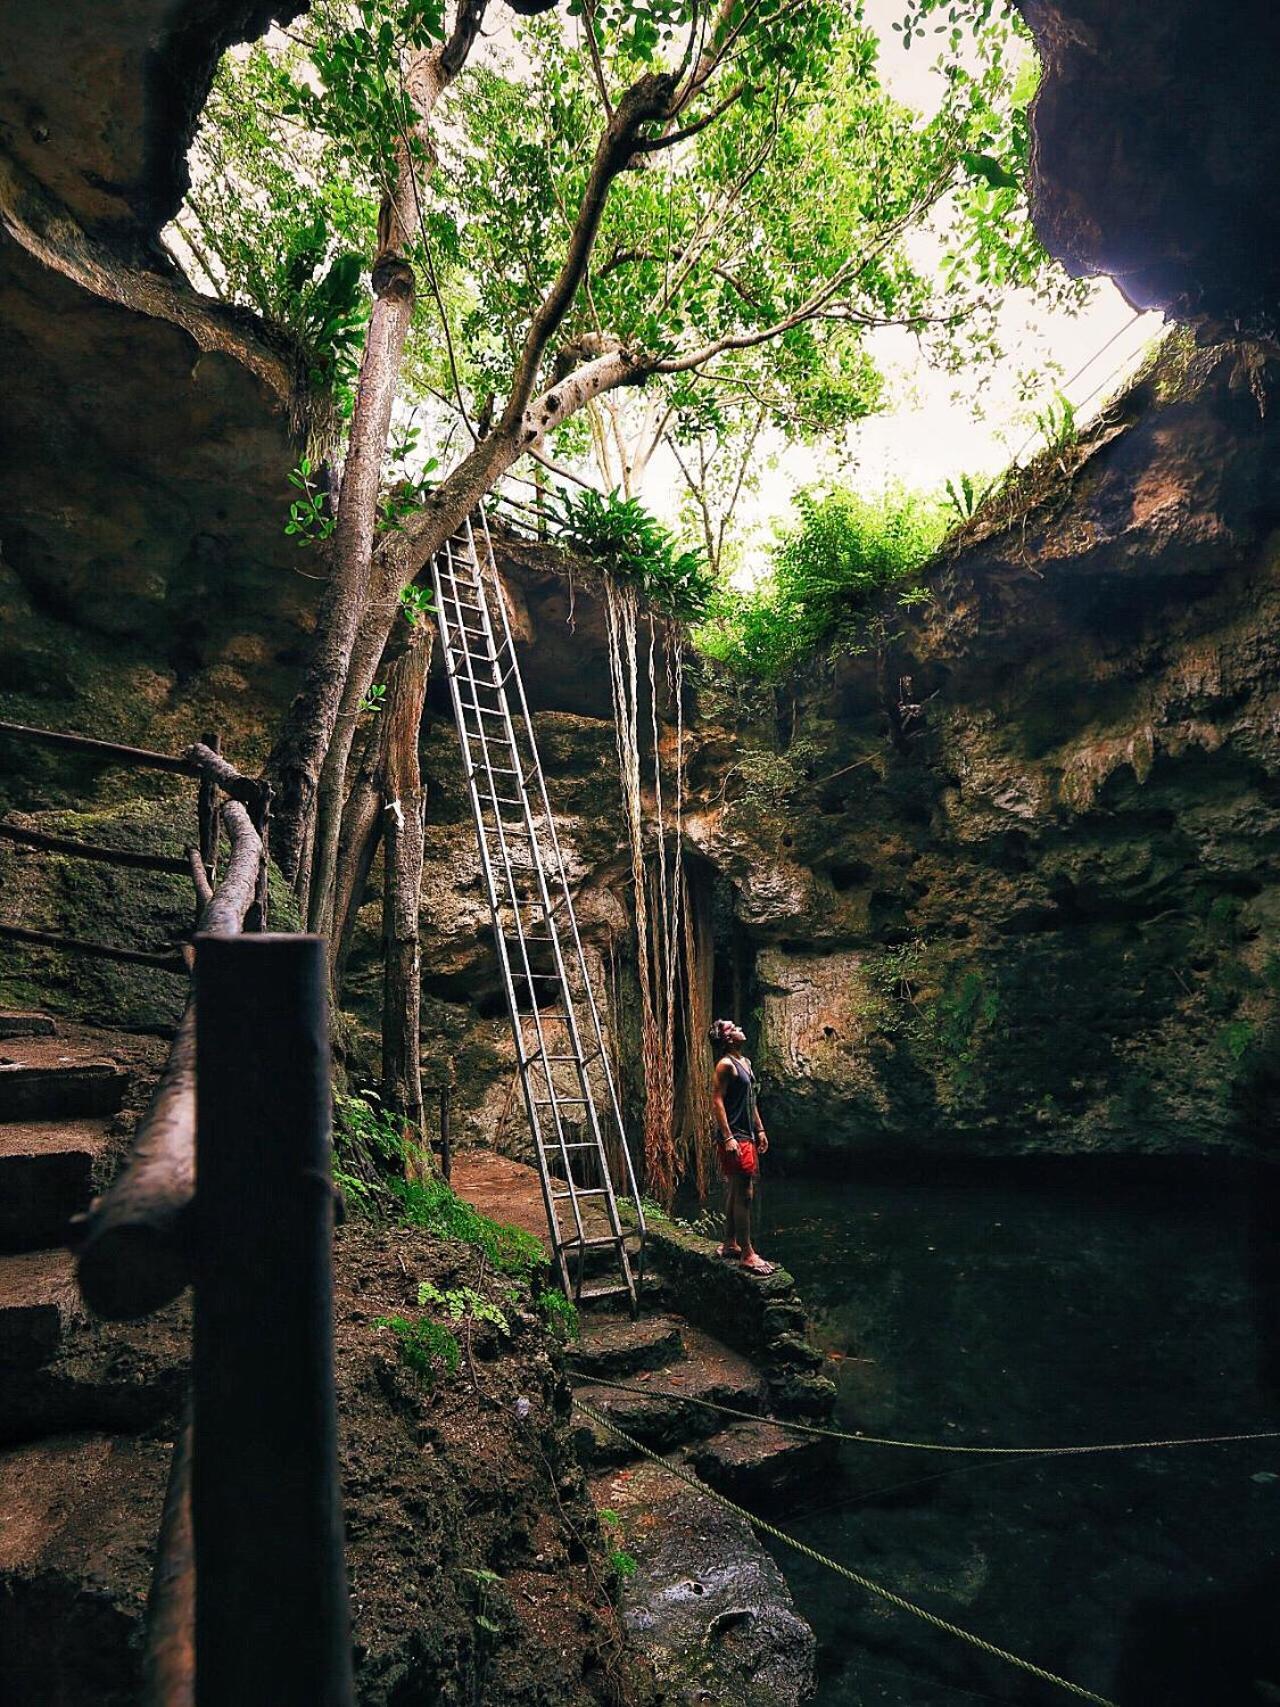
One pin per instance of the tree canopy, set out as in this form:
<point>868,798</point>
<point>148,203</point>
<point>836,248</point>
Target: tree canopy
<point>765,219</point>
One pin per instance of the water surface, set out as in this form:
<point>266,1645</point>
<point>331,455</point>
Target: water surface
<point>1044,1314</point>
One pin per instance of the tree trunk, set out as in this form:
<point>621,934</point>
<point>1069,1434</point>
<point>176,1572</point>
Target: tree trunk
<point>361,833</point>
<point>297,759</point>
<point>315,716</point>
<point>364,818</point>
<point>402,899</point>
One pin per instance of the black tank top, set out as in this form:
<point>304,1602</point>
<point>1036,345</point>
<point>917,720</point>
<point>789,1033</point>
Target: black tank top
<point>739,1098</point>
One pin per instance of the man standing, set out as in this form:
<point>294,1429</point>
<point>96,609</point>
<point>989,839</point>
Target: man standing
<point>740,1142</point>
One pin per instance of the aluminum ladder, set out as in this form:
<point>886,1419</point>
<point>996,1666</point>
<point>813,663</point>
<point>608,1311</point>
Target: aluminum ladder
<point>569,1092</point>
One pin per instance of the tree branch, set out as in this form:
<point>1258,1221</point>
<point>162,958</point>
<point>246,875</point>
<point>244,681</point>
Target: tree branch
<point>645,102</point>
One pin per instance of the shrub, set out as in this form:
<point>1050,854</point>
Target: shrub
<point>625,540</point>
<point>833,578</point>
<point>561,1315</point>
<point>425,1347</point>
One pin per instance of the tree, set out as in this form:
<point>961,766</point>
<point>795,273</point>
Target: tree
<point>659,221</point>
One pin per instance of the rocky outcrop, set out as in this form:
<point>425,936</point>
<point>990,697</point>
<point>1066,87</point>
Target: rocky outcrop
<point>1014,885</point>
<point>705,1603</point>
<point>147,431</point>
<point>1154,132</point>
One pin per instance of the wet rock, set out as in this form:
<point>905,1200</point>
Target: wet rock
<point>707,1605</point>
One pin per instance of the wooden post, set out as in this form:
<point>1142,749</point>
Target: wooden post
<point>207,816</point>
<point>272,1621</point>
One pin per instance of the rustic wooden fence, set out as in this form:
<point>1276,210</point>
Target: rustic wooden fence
<point>249,1595</point>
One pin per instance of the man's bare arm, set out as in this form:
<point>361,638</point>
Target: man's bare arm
<point>724,1073</point>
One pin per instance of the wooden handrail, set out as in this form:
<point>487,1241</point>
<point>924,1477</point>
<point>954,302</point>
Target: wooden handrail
<point>134,1247</point>
<point>198,760</point>
<point>103,950</point>
<point>90,850</point>
<point>109,750</point>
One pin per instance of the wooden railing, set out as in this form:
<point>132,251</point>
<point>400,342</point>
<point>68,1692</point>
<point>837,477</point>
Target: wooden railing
<point>249,1593</point>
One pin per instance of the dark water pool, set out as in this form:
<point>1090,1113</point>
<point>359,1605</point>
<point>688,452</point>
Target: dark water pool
<point>1043,1314</point>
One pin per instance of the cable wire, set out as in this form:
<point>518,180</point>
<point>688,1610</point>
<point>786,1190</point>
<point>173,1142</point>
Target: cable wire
<point>876,1589</point>
<point>859,1439</point>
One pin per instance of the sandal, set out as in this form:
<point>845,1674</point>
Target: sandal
<point>758,1265</point>
<point>731,1252</point>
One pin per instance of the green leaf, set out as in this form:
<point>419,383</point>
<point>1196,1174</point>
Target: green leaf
<point>990,170</point>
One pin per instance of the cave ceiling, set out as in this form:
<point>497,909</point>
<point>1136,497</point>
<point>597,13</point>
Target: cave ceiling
<point>1155,136</point>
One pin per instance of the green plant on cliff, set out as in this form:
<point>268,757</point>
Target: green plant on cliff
<point>560,1314</point>
<point>368,1147</point>
<point>943,1015</point>
<point>465,1304</point>
<point>435,1206</point>
<point>424,1346</point>
<point>624,1564</point>
<point>835,580</point>
<point>626,541</point>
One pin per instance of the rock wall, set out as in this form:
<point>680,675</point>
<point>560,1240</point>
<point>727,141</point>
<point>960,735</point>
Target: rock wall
<point>1026,904</point>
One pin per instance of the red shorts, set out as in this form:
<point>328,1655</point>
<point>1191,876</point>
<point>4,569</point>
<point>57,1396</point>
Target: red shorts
<point>743,1160</point>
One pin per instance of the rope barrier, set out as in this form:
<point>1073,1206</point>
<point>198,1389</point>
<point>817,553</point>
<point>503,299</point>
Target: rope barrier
<point>925,1445</point>
<point>865,1583</point>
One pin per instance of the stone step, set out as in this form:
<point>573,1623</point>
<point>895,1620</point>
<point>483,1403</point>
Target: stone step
<point>78,1521</point>
<point>616,1346</point>
<point>654,1295</point>
<point>70,1090</point>
<point>46,1177</point>
<point>38,1299</point>
<point>27,1025</point>
<point>757,1463</point>
<point>661,1420</point>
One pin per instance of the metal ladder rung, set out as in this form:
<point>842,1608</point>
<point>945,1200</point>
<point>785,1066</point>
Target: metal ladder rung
<point>523,870</point>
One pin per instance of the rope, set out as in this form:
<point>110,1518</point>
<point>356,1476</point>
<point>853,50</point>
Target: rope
<point>925,1445</point>
<point>855,1577</point>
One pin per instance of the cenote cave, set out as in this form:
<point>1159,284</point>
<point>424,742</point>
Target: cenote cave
<point>639,853</point>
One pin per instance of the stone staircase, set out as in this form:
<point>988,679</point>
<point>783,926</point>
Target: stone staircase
<point>74,1394</point>
<point>57,1097</point>
<point>703,1600</point>
<point>668,1365</point>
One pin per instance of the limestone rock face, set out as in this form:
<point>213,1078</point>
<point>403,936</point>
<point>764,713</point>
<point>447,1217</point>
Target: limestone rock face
<point>1034,910</point>
<point>97,103</point>
<point>1154,132</point>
